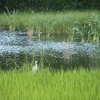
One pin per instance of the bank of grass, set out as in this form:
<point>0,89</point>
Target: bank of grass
<point>79,84</point>
<point>48,20</point>
<point>76,25</point>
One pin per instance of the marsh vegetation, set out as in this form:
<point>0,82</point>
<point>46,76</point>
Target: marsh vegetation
<point>69,68</point>
<point>75,25</point>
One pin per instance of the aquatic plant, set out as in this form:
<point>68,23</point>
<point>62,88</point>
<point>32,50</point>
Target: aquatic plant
<point>88,31</point>
<point>11,19</point>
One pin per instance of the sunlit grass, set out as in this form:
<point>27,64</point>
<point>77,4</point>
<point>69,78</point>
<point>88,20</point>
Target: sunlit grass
<point>46,85</point>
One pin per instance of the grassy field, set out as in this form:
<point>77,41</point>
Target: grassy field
<point>45,85</point>
<point>79,25</point>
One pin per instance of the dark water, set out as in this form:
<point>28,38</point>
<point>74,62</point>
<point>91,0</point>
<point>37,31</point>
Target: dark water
<point>17,48</point>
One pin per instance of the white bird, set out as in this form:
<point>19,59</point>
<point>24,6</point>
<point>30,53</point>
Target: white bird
<point>35,68</point>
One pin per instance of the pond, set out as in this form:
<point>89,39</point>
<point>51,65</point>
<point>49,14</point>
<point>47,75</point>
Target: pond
<point>17,47</point>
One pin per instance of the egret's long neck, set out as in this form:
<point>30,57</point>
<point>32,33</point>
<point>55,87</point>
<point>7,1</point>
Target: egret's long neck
<point>36,64</point>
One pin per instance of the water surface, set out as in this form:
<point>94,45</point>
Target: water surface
<point>19,47</point>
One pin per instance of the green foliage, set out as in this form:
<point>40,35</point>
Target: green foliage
<point>70,85</point>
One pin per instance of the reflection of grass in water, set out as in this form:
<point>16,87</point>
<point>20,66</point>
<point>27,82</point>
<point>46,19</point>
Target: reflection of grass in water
<point>86,23</point>
<point>45,85</point>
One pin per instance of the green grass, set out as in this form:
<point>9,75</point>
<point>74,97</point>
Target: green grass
<point>45,85</point>
<point>77,25</point>
<point>46,20</point>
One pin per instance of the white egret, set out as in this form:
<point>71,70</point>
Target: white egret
<point>35,68</point>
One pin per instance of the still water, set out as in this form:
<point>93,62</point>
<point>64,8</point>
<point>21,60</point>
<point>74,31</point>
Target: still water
<point>19,47</point>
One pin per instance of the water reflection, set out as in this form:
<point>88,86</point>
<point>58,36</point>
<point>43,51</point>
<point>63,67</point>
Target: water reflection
<point>17,48</point>
<point>68,52</point>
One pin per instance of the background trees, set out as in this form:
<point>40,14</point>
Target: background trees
<point>45,5</point>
